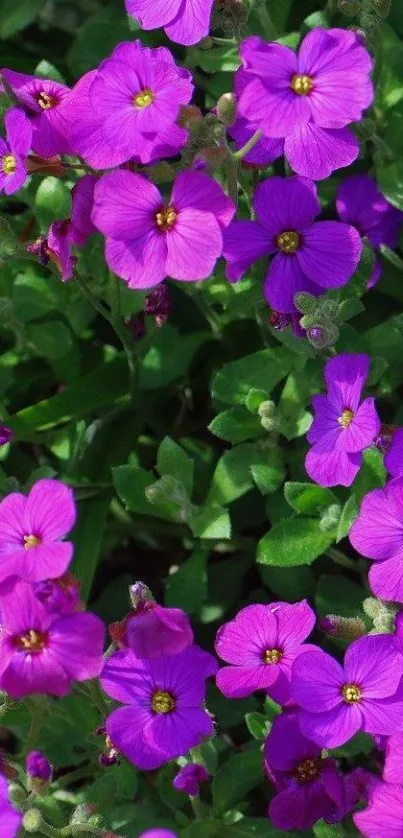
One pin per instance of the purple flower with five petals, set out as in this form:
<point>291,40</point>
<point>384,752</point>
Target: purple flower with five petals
<point>14,150</point>
<point>10,819</point>
<point>164,714</point>
<point>310,256</point>
<point>261,644</point>
<point>343,426</point>
<point>149,238</point>
<point>337,701</point>
<point>185,21</point>
<point>384,816</point>
<point>44,102</point>
<point>308,785</point>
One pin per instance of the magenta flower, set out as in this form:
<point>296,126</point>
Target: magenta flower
<point>153,631</point>
<point>185,21</point>
<point>336,702</point>
<point>44,102</point>
<point>157,833</point>
<point>393,766</point>
<point>31,529</point>
<point>343,426</point>
<point>38,766</point>
<point>310,256</point>
<point>377,534</point>
<point>41,652</point>
<point>62,235</point>
<point>393,459</point>
<point>309,786</point>
<point>384,816</point>
<point>128,108</point>
<point>261,644</point>
<point>58,247</point>
<point>14,150</point>
<point>308,98</point>
<point>60,596</point>
<point>164,714</point>
<point>267,149</point>
<point>189,778</point>
<point>10,819</point>
<point>360,203</point>
<point>148,238</point>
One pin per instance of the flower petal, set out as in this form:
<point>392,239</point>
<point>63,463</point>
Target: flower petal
<point>125,728</point>
<point>240,681</point>
<point>244,243</point>
<point>285,279</point>
<point>386,579</point>
<point>316,152</point>
<point>345,376</point>
<point>50,511</point>
<point>188,258</point>
<point>332,468</point>
<point>377,533</point>
<point>194,190</point>
<point>284,204</point>
<point>375,664</point>
<point>125,205</point>
<point>141,262</point>
<point>332,728</point>
<point>330,253</point>
<point>192,22</point>
<point>316,681</point>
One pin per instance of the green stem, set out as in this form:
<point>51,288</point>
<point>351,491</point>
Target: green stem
<point>73,776</point>
<point>198,808</point>
<point>242,152</point>
<point>339,558</point>
<point>203,305</point>
<point>38,710</point>
<point>268,26</point>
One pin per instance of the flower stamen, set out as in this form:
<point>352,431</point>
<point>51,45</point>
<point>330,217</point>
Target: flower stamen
<point>144,99</point>
<point>31,541</point>
<point>351,693</point>
<point>9,164</point>
<point>346,418</point>
<point>45,101</point>
<point>163,702</point>
<point>307,771</point>
<point>166,218</point>
<point>272,656</point>
<point>33,641</point>
<point>301,85</point>
<point>288,242</point>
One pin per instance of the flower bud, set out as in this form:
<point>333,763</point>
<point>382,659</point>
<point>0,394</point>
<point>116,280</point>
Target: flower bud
<point>330,518</point>
<point>305,302</point>
<point>350,8</point>
<point>267,413</point>
<point>82,813</point>
<point>158,303</point>
<point>381,7</point>
<point>155,631</point>
<point>226,109</point>
<point>140,594</point>
<point>6,435</point>
<point>32,821</point>
<point>97,820</point>
<point>61,596</point>
<point>344,628</point>
<point>189,778</point>
<point>17,796</point>
<point>39,771</point>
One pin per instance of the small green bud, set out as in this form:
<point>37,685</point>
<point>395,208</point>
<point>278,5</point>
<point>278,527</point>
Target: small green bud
<point>372,607</point>
<point>330,518</point>
<point>268,419</point>
<point>344,628</point>
<point>97,820</point>
<point>32,821</point>
<point>254,399</point>
<point>329,308</point>
<point>226,109</point>
<point>17,795</point>
<point>82,813</point>
<point>350,8</point>
<point>382,7</point>
<point>306,303</point>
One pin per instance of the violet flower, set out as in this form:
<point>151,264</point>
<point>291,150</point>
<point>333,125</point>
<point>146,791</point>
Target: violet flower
<point>393,459</point>
<point>153,631</point>
<point>14,150</point>
<point>10,819</point>
<point>343,425</point>
<point>39,771</point>
<point>267,149</point>
<point>149,238</point>
<point>308,785</point>
<point>377,534</point>
<point>393,765</point>
<point>384,816</point>
<point>308,98</point>
<point>41,652</point>
<point>60,596</point>
<point>159,832</point>
<point>185,21</point>
<point>309,256</point>
<point>164,715</point>
<point>336,702</point>
<point>189,778</point>
<point>358,785</point>
<point>31,529</point>
<point>62,235</point>
<point>359,202</point>
<point>261,644</point>
<point>6,435</point>
<point>44,102</point>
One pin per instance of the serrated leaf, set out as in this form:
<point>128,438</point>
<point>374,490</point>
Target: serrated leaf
<point>293,542</point>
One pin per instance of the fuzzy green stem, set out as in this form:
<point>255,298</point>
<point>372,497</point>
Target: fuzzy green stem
<point>38,710</point>
<point>339,558</point>
<point>242,152</point>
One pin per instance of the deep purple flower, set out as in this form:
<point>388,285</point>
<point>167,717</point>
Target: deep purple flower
<point>148,238</point>
<point>185,21</point>
<point>41,652</point>
<point>360,203</point>
<point>358,785</point>
<point>38,766</point>
<point>336,702</point>
<point>268,149</point>
<point>310,256</point>
<point>6,434</point>
<point>10,819</point>
<point>343,426</point>
<point>60,596</point>
<point>309,786</point>
<point>14,150</point>
<point>44,101</point>
<point>393,459</point>
<point>377,534</point>
<point>308,98</point>
<point>262,643</point>
<point>153,631</point>
<point>31,529</point>
<point>128,108</point>
<point>164,714</point>
<point>189,778</point>
<point>384,816</point>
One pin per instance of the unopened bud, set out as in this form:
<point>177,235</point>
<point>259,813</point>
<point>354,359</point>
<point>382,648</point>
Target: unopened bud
<point>82,813</point>
<point>139,593</point>
<point>97,820</point>
<point>382,614</point>
<point>17,796</point>
<point>226,109</point>
<point>350,8</point>
<point>6,435</point>
<point>330,518</point>
<point>373,607</point>
<point>381,7</point>
<point>39,771</point>
<point>305,302</point>
<point>33,821</point>
<point>268,418</point>
<point>344,628</point>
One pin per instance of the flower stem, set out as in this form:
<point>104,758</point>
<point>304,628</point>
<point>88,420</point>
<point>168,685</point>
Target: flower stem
<point>339,558</point>
<point>242,152</point>
<point>38,710</point>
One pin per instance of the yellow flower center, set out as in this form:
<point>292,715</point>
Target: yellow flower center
<point>346,418</point>
<point>351,693</point>
<point>144,99</point>
<point>33,641</point>
<point>163,702</point>
<point>272,656</point>
<point>45,101</point>
<point>9,164</point>
<point>31,541</point>
<point>166,218</point>
<point>301,85</point>
<point>307,770</point>
<point>288,242</point>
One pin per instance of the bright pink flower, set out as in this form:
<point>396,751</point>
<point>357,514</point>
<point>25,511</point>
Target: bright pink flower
<point>44,102</point>
<point>13,152</point>
<point>185,21</point>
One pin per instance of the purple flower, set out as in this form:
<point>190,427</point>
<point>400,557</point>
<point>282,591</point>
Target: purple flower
<point>44,102</point>
<point>148,238</point>
<point>309,787</point>
<point>31,529</point>
<point>358,785</point>
<point>262,644</point>
<point>128,108</point>
<point>10,819</point>
<point>360,203</point>
<point>393,766</point>
<point>189,778</point>
<point>393,459</point>
<point>58,245</point>
<point>62,235</point>
<point>60,596</point>
<point>157,833</point>
<point>185,21</point>
<point>336,702</point>
<point>342,426</point>
<point>310,256</point>
<point>384,816</point>
<point>377,534</point>
<point>13,152</point>
<point>38,766</point>
<point>6,434</point>
<point>154,631</point>
<point>267,149</point>
<point>164,714</point>
<point>308,98</point>
<point>41,652</point>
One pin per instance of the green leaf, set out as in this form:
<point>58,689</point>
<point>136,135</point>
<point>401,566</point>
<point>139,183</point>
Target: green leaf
<point>293,542</point>
<point>88,538</point>
<point>327,830</point>
<point>101,32</point>
<point>348,515</point>
<point>173,460</point>
<point>308,498</point>
<point>257,724</point>
<point>187,588</point>
<point>131,483</point>
<point>212,521</point>
<point>238,468</point>
<point>239,774</point>
<point>225,58</point>
<point>339,595</point>
<point>358,283</point>
<point>16,16</point>
<point>261,371</point>
<point>52,202</point>
<point>236,425</point>
<point>289,586</point>
<point>51,339</point>
<point>390,182</point>
<point>169,357</point>
<point>269,475</point>
<point>32,296</point>
<point>372,474</point>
